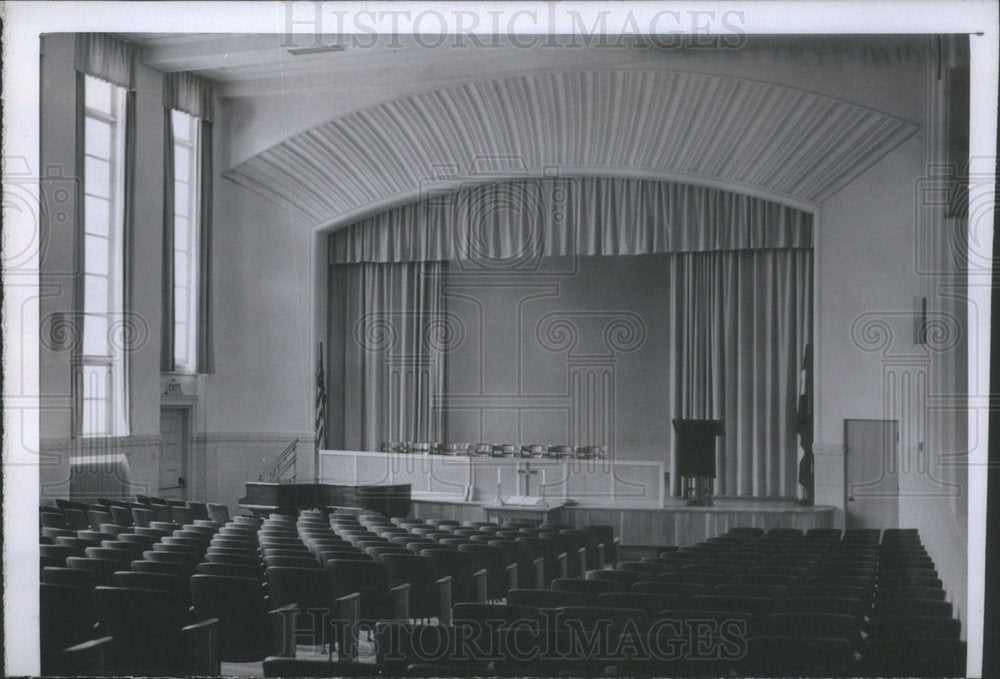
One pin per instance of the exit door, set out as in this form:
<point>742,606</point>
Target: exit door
<point>871,473</point>
<point>174,438</point>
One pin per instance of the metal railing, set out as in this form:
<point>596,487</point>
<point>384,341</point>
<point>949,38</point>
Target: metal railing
<point>286,460</point>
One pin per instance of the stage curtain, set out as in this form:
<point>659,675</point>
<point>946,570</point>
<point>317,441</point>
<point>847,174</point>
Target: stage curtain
<point>516,220</point>
<point>385,357</point>
<point>740,321</point>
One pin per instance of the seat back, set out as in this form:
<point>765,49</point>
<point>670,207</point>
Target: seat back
<point>146,627</point>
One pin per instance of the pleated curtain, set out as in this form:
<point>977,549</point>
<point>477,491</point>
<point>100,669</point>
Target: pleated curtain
<point>384,327</point>
<point>739,304</point>
<point>739,325</point>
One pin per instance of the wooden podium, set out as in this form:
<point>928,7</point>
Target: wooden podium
<point>696,458</point>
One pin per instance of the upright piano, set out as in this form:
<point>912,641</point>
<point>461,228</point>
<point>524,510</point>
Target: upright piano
<point>290,497</point>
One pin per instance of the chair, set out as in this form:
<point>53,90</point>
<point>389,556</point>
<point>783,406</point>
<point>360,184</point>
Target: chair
<point>183,557</point>
<point>797,656</point>
<point>310,591</point>
<point>652,569</point>
<point>73,577</point>
<point>707,580</point>
<point>237,559</point>
<point>681,590</point>
<point>817,625</point>
<point>174,585</point>
<point>823,604</point>
<point>624,578</point>
<point>306,562</point>
<point>457,565</point>
<point>106,567</point>
<point>589,587</point>
<point>772,592</point>
<point>913,627</point>
<point>218,513</point>
<point>605,536</point>
<point>650,603</point>
<point>150,635</point>
<point>914,658</point>
<point>546,598</point>
<point>76,518</point>
<point>59,553</point>
<point>179,569</point>
<point>369,578</point>
<point>229,570</point>
<point>759,579</point>
<point>911,606</point>
<point>418,572</point>
<point>66,620</point>
<point>903,592</point>
<point>275,667</point>
<point>491,559</point>
<point>754,605</point>
<point>249,628</point>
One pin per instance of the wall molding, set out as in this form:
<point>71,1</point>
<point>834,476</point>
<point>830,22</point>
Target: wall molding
<point>70,445</point>
<point>253,437</point>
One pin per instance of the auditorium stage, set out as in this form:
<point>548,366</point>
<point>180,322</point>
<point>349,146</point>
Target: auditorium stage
<point>631,495</point>
<point>673,524</point>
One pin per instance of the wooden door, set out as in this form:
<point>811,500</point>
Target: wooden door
<point>173,453</point>
<point>871,473</point>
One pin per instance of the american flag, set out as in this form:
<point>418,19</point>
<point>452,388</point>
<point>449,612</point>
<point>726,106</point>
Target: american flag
<point>320,403</point>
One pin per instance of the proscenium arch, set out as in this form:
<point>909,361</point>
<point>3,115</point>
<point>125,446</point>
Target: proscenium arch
<point>773,141</point>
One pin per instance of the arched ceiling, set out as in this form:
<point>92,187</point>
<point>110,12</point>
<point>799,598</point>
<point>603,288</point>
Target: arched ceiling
<point>751,136</point>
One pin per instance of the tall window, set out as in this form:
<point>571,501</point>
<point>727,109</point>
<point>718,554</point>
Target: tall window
<point>101,365</point>
<point>187,165</point>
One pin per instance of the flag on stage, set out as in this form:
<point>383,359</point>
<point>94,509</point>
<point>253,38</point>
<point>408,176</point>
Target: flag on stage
<point>320,403</point>
<point>804,425</point>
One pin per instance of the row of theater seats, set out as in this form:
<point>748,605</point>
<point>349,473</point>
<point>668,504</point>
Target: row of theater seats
<point>861,602</point>
<point>256,582</point>
<point>749,603</point>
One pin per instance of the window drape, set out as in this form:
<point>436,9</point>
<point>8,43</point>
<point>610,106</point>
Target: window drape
<point>571,216</point>
<point>189,93</point>
<point>739,324</point>
<point>205,341</point>
<point>385,352</point>
<point>167,289</point>
<point>107,57</point>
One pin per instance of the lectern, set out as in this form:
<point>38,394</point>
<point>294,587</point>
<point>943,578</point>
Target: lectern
<point>696,458</point>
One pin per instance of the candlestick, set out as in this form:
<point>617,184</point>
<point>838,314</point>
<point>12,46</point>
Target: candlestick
<point>498,475</point>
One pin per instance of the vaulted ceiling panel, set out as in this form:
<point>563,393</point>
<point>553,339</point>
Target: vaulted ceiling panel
<point>747,134</point>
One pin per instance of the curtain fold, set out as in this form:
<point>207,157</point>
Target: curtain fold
<point>107,57</point>
<point>386,352</point>
<point>167,290</point>
<point>740,321</point>
<point>571,216</point>
<point>205,339</point>
<point>189,93</point>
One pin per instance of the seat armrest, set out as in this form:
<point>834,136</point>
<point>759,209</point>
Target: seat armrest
<point>283,630</point>
<point>581,555</point>
<point>481,579</point>
<point>201,645</point>
<point>511,576</point>
<point>346,624</point>
<point>90,658</point>
<point>602,556</point>
<point>563,561</point>
<point>444,600</point>
<point>400,595</point>
<point>539,565</point>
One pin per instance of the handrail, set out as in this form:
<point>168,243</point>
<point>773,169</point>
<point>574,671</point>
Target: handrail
<point>286,460</point>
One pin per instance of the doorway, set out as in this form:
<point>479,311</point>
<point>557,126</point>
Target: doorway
<point>871,473</point>
<point>175,435</point>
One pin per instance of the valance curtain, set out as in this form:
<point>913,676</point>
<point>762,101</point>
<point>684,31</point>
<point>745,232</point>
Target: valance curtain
<point>571,216</point>
<point>739,304</point>
<point>189,93</point>
<point>385,352</point>
<point>105,56</point>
